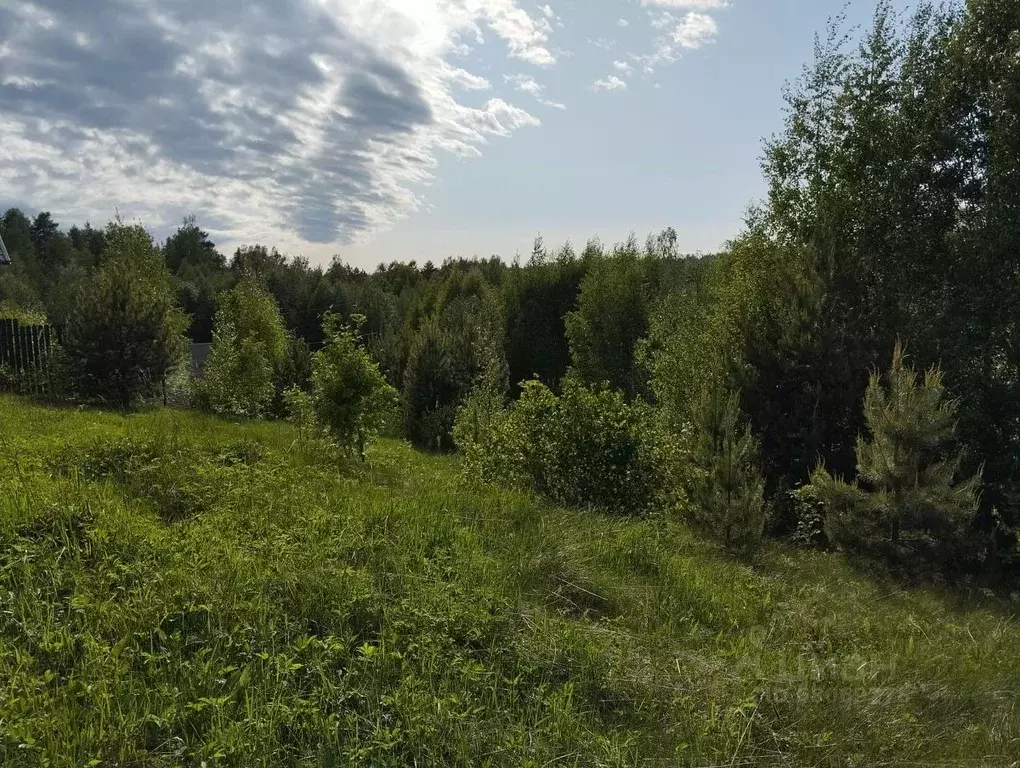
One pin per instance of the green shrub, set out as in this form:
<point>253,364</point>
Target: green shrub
<point>238,377</point>
<point>809,513</point>
<point>299,409</point>
<point>248,351</point>
<point>906,508</point>
<point>584,448</point>
<point>477,417</point>
<point>351,398</point>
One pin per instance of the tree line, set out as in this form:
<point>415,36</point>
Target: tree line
<point>844,372</point>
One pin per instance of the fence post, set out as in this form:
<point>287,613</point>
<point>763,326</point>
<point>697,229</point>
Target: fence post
<point>49,354</point>
<point>26,360</point>
<point>26,356</point>
<point>34,384</point>
<point>40,361</point>
<point>19,357</point>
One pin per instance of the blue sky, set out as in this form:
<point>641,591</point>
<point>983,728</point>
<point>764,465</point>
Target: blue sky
<point>400,129</point>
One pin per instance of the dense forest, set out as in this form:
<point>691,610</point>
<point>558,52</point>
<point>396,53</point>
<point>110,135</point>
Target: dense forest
<point>845,372</point>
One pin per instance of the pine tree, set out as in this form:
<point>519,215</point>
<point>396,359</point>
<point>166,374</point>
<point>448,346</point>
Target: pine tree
<point>126,333</point>
<point>727,488</point>
<point>905,506</point>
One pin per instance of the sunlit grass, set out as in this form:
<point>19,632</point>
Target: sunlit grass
<point>177,589</point>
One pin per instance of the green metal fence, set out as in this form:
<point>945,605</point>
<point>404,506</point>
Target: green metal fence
<point>26,357</point>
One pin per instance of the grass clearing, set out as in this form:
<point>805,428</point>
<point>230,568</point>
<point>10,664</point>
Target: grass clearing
<point>177,589</point>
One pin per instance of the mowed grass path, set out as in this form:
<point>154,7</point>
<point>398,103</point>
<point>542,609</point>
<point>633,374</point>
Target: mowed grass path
<point>179,590</point>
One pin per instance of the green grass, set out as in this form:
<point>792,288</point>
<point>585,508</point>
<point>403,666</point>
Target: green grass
<point>179,590</point>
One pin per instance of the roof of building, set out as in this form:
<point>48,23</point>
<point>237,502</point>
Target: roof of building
<point>5,258</point>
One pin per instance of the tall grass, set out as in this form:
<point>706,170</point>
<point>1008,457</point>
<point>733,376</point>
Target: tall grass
<point>178,590</point>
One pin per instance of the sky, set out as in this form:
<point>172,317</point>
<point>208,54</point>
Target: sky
<point>399,129</point>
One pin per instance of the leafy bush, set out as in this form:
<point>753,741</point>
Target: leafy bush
<point>727,488</point>
<point>351,398</point>
<point>249,348</point>
<point>906,508</point>
<point>299,409</point>
<point>809,514</point>
<point>238,378</point>
<point>125,335</point>
<point>477,417</point>
<point>583,448</point>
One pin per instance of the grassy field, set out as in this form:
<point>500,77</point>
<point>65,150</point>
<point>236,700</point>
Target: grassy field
<point>178,590</point>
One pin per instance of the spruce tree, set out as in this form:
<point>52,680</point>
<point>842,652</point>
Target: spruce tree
<point>431,389</point>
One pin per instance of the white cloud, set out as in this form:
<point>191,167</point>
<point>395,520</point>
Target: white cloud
<point>525,37</point>
<point>663,20</point>
<point>611,83</point>
<point>527,84</point>
<point>465,79</point>
<point>690,32</point>
<point>524,83</point>
<point>290,121</point>
<point>695,30</point>
<point>293,122</point>
<point>553,104</point>
<point>686,5</point>
<point>500,118</point>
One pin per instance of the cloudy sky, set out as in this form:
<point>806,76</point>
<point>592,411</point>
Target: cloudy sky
<point>383,129</point>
